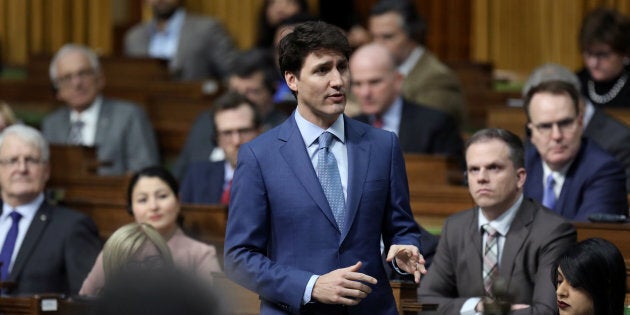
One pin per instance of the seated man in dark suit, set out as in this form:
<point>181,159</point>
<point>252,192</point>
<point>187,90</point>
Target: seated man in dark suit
<point>253,75</point>
<point>609,133</point>
<point>45,248</point>
<point>377,84</point>
<point>569,174</point>
<point>506,236</point>
<point>197,47</point>
<point>236,121</point>
<point>121,131</point>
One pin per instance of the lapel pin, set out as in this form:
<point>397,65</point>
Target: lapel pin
<point>43,217</point>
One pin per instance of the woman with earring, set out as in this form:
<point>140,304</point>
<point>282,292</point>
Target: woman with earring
<point>153,199</point>
<point>605,43</point>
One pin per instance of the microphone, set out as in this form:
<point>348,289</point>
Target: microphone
<point>501,302</point>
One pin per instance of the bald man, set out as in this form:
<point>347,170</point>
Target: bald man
<point>377,86</point>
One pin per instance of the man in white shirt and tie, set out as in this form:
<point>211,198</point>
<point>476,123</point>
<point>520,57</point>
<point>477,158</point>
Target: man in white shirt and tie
<point>506,235</point>
<point>45,248</point>
<point>568,173</point>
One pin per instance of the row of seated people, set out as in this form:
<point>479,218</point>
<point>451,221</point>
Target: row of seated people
<point>152,199</point>
<point>124,137</point>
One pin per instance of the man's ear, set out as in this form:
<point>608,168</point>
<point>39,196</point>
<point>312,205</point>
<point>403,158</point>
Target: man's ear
<point>291,80</point>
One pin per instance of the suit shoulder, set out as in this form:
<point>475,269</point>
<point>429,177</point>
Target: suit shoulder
<point>460,218</point>
<point>205,166</point>
<point>66,215</point>
<point>136,31</point>
<point>430,114</point>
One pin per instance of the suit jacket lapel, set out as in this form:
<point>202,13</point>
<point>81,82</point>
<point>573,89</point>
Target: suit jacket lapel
<point>31,239</point>
<point>404,133</point>
<point>357,169</point>
<point>515,239</point>
<point>474,234</point>
<point>103,123</point>
<point>184,38</point>
<point>296,156</point>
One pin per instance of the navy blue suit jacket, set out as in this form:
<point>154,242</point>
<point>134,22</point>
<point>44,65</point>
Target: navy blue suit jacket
<point>281,230</point>
<point>594,183</point>
<point>203,183</point>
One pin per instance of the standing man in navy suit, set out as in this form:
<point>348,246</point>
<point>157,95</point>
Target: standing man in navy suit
<point>569,174</point>
<point>303,247</point>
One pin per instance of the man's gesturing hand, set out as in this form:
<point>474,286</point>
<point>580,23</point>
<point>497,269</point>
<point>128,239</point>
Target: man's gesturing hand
<point>343,286</point>
<point>408,259</point>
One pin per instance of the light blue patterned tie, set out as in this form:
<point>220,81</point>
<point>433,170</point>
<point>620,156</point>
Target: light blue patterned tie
<point>549,197</point>
<point>329,178</point>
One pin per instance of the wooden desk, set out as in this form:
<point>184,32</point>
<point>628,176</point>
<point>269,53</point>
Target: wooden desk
<point>43,304</point>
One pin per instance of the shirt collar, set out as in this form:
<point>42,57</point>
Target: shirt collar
<point>311,132</point>
<point>27,210</point>
<point>504,221</point>
<point>405,67</point>
<point>91,111</point>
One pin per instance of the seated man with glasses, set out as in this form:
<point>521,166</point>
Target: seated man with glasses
<point>236,121</point>
<point>569,174</point>
<point>120,131</point>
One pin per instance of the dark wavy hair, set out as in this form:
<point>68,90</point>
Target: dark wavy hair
<point>606,26</point>
<point>310,37</point>
<point>597,266</point>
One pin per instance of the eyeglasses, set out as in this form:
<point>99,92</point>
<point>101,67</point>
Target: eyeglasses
<point>29,161</point>
<point>564,125</point>
<point>81,75</point>
<point>229,134</point>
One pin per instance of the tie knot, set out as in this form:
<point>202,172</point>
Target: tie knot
<point>490,230</point>
<point>15,216</point>
<point>78,123</point>
<point>325,139</point>
<point>550,181</point>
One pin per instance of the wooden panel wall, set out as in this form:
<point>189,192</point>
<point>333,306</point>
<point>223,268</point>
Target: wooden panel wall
<point>42,26</point>
<point>520,35</point>
<point>512,34</point>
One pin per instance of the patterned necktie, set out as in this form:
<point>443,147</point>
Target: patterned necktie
<point>76,133</point>
<point>329,178</point>
<point>549,197</point>
<point>490,258</point>
<point>9,244</point>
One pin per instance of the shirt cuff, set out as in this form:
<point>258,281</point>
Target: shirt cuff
<point>309,289</point>
<point>469,307</point>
